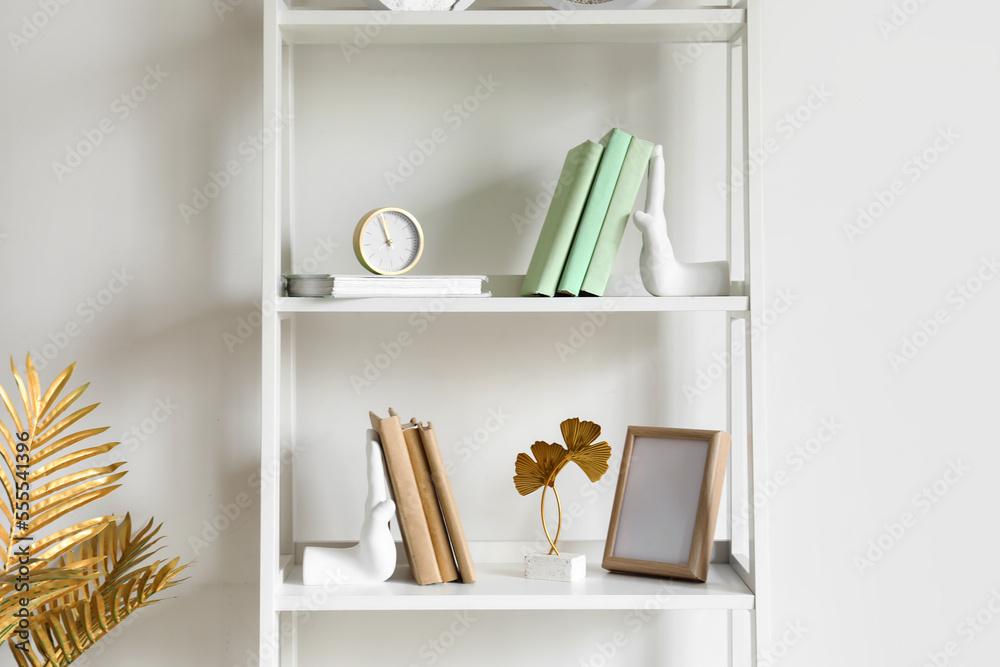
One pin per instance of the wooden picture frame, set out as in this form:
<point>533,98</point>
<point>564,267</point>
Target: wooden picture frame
<point>667,502</point>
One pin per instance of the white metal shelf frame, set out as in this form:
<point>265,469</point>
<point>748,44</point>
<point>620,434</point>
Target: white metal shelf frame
<point>284,26</point>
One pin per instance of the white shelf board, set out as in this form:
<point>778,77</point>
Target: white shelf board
<point>506,298</point>
<point>501,586</point>
<point>617,304</point>
<point>305,26</point>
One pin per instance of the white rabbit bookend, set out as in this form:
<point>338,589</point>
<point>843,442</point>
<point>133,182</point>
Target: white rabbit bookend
<point>373,559</point>
<point>661,272</point>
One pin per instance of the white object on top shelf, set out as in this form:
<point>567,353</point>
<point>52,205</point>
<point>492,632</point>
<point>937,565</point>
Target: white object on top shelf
<point>348,286</point>
<point>662,273</point>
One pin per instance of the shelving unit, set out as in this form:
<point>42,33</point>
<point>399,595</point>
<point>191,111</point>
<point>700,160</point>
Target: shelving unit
<point>302,26</point>
<point>511,304</point>
<point>503,586</point>
<point>737,584</point>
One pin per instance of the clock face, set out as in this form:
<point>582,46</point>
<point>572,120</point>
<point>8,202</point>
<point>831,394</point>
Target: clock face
<point>388,241</point>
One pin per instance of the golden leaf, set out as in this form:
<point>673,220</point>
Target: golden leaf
<point>53,391</point>
<point>40,439</point>
<point>34,390</point>
<point>83,580</point>
<point>39,463</point>
<point>14,415</point>
<point>68,504</point>
<point>77,477</point>
<point>55,545</point>
<point>63,443</point>
<point>592,459</point>
<point>21,660</point>
<point>23,390</point>
<point>63,405</point>
<point>578,434</point>
<point>63,629</point>
<point>533,474</point>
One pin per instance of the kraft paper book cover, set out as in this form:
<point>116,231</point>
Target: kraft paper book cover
<point>409,509</point>
<point>429,499</point>
<point>448,507</point>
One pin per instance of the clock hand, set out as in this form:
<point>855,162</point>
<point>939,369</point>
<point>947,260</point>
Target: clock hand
<point>385,229</point>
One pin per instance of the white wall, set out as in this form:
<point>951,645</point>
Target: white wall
<point>164,336</point>
<point>160,337</point>
<point>900,428</point>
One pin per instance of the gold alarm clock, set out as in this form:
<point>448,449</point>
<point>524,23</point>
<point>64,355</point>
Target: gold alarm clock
<point>388,241</point>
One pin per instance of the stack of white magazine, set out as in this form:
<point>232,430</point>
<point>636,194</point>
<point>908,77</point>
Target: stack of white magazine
<point>424,286</point>
<point>308,284</point>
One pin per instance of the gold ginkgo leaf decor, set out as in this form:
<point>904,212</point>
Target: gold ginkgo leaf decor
<point>592,458</point>
<point>61,591</point>
<point>549,459</point>
<point>533,474</point>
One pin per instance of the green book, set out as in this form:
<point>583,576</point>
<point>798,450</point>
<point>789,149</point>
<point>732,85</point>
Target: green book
<point>622,201</point>
<point>615,145</point>
<point>562,218</point>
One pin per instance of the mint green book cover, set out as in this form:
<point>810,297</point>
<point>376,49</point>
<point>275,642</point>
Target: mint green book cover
<point>622,201</point>
<point>616,145</point>
<point>562,219</point>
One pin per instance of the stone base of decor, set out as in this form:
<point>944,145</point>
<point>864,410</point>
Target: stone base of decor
<point>564,567</point>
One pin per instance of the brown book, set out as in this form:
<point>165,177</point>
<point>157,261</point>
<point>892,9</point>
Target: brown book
<point>429,499</point>
<point>409,508</point>
<point>448,507</point>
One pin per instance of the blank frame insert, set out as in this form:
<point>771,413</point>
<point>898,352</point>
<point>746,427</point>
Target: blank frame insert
<point>661,499</point>
<point>667,502</point>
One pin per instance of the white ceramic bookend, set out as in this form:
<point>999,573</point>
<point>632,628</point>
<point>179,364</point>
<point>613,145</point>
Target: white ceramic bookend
<point>373,559</point>
<point>662,273</point>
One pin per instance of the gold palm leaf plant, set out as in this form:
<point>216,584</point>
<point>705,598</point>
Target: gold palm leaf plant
<point>549,459</point>
<point>63,628</point>
<point>36,496</point>
<point>42,568</point>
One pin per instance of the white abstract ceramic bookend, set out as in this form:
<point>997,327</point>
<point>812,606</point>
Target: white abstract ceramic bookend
<point>661,272</point>
<point>373,559</point>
